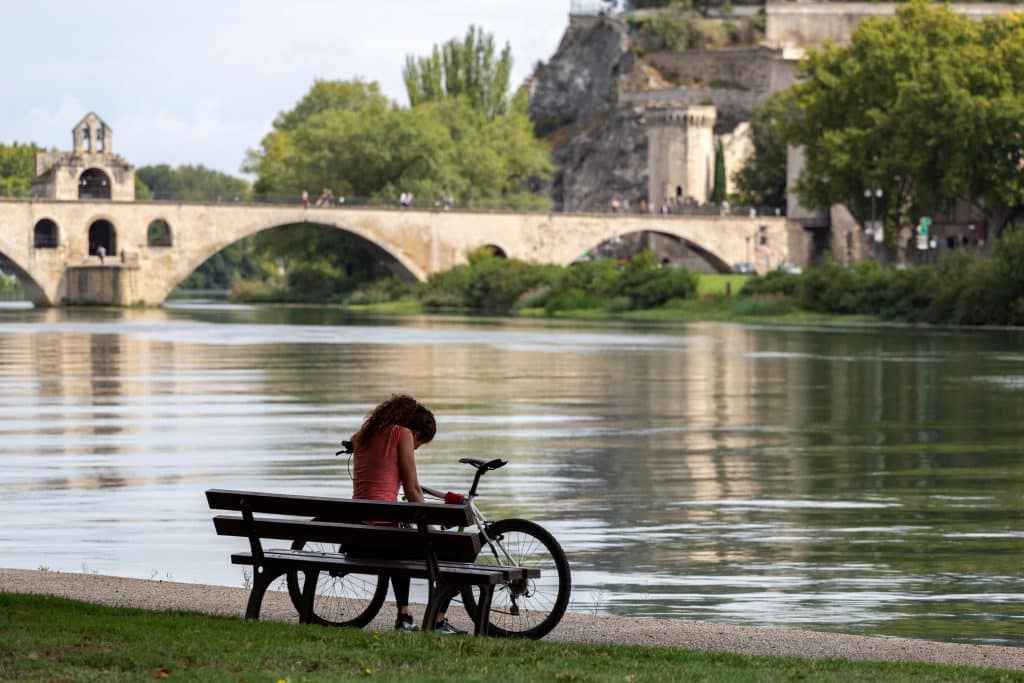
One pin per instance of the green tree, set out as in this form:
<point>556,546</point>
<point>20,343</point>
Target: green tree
<point>190,183</point>
<point>762,180</point>
<point>365,146</point>
<point>462,68</point>
<point>17,169</point>
<point>718,191</point>
<point>926,105</point>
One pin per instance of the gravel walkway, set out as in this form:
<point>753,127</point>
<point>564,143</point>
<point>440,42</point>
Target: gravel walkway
<point>575,627</point>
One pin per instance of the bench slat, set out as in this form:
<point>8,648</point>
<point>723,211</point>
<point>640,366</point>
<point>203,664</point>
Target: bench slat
<point>412,568</point>
<point>450,544</point>
<point>340,509</point>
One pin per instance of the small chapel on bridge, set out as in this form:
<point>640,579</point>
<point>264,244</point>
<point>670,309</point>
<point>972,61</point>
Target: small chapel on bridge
<point>90,170</point>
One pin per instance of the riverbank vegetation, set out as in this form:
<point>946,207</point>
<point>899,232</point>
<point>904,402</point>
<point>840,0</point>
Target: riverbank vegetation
<point>46,638</point>
<point>958,290</point>
<point>961,289</point>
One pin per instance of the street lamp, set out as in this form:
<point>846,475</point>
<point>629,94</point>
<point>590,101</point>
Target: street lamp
<point>874,193</point>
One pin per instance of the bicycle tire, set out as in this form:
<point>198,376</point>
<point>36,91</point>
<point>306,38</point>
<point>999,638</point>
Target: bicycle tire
<point>529,609</point>
<point>342,599</point>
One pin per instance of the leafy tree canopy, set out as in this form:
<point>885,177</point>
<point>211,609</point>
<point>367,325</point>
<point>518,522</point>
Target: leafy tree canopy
<point>462,68</point>
<point>17,169</point>
<point>188,183</point>
<point>762,180</point>
<point>926,105</point>
<point>348,137</point>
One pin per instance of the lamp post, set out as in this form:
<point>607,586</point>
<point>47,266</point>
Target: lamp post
<point>874,193</point>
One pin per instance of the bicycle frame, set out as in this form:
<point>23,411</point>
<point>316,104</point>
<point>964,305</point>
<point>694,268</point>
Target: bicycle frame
<point>481,523</point>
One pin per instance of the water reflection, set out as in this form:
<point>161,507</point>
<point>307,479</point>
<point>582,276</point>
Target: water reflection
<point>851,479</point>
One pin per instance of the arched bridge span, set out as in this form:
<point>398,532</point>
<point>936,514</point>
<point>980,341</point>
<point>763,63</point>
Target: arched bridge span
<point>158,244</point>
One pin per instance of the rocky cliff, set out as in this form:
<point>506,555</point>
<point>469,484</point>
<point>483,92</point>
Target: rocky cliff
<point>589,101</point>
<point>599,147</point>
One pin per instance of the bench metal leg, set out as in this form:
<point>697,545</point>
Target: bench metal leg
<point>312,576</point>
<point>438,594</point>
<point>483,611</point>
<point>261,580</point>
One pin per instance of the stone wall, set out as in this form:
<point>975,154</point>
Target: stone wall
<point>733,106</point>
<point>747,68</point>
<point>807,24</point>
<point>112,285</point>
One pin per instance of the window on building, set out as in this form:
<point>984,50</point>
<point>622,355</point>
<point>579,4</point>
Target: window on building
<point>46,235</point>
<point>158,234</point>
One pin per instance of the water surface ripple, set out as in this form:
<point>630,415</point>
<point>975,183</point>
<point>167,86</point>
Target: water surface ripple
<point>867,480</point>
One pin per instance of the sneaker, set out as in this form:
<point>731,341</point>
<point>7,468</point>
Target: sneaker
<point>404,622</point>
<point>446,627</point>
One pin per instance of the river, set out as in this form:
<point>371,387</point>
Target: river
<point>857,479</point>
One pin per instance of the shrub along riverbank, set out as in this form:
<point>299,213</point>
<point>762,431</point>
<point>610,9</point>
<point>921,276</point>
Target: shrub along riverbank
<point>961,289</point>
<point>46,638</point>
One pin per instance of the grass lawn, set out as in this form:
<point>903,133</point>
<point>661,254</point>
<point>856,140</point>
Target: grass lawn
<point>46,639</point>
<point>715,284</point>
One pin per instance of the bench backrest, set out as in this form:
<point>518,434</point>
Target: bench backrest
<point>340,509</point>
<point>339,521</point>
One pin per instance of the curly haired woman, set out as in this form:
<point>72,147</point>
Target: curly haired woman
<point>385,459</point>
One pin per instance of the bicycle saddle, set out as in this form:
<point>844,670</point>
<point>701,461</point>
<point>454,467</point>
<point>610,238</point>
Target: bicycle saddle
<point>480,464</point>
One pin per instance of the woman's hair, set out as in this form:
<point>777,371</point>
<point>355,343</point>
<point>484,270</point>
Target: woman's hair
<point>402,410</point>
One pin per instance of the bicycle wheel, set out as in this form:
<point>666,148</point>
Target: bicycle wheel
<point>341,599</point>
<point>530,608</point>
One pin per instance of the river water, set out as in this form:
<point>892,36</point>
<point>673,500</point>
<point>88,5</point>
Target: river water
<point>857,479</point>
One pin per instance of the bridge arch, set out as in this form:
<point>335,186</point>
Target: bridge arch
<point>94,183</point>
<point>494,250</point>
<point>45,234</point>
<point>629,243</point>
<point>35,292</point>
<point>393,258</point>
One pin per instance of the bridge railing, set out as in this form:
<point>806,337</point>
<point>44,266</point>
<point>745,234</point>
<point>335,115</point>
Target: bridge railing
<point>476,206</point>
<point>482,205</point>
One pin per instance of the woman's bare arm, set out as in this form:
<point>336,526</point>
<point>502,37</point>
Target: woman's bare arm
<point>407,469</point>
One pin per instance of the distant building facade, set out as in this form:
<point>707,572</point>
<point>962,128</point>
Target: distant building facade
<point>90,170</point>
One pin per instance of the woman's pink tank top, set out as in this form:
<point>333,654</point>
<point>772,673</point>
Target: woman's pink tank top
<point>375,466</point>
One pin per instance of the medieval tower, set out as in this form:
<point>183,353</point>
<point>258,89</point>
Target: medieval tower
<point>680,154</point>
<point>90,170</point>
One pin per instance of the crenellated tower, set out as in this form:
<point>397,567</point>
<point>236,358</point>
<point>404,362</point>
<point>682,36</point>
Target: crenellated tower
<point>680,154</point>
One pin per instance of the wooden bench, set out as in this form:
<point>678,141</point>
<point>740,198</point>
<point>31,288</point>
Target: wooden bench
<point>291,518</point>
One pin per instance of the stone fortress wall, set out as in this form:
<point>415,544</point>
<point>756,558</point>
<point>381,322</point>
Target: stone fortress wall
<point>807,24</point>
<point>744,68</point>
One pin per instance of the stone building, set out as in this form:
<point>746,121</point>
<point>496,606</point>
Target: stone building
<point>90,170</point>
<point>680,154</point>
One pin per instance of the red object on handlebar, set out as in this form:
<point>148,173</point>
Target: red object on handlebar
<point>452,498</point>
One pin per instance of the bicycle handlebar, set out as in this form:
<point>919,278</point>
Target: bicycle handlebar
<point>433,493</point>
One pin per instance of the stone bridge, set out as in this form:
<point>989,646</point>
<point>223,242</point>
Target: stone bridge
<point>151,247</point>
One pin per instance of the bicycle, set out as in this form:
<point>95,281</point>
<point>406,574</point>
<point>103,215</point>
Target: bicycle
<point>525,609</point>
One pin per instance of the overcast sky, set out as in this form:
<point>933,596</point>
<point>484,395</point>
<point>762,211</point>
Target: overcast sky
<point>190,82</point>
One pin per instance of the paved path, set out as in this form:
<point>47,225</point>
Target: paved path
<point>575,627</point>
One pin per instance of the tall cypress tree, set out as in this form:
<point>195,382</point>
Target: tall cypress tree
<point>718,193</point>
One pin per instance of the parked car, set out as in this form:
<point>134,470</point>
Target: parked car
<point>791,268</point>
<point>744,268</point>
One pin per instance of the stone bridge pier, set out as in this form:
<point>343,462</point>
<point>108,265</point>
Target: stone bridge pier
<point>150,247</point>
